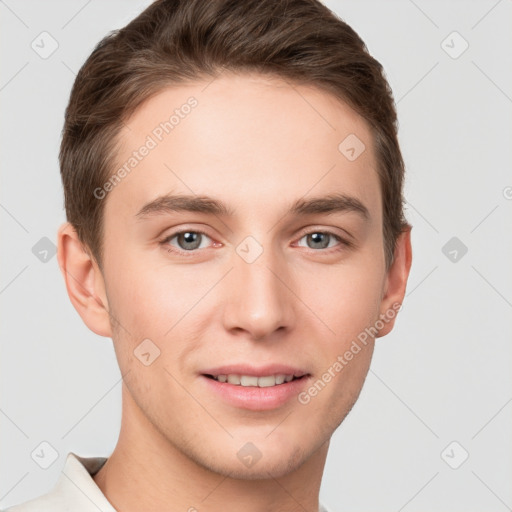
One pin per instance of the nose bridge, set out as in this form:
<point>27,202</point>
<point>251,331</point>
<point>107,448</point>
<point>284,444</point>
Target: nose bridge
<point>258,302</point>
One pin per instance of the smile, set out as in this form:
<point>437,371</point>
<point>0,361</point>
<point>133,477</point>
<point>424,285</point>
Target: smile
<point>254,381</point>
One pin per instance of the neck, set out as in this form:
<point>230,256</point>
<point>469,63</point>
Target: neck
<point>146,471</point>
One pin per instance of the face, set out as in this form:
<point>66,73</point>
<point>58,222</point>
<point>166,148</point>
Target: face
<point>244,240</point>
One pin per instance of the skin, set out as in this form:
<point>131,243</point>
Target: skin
<point>257,144</point>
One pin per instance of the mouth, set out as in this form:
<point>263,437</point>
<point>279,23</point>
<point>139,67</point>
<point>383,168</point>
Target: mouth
<point>263,381</point>
<point>255,392</point>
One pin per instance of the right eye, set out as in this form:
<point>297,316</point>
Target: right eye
<point>187,241</point>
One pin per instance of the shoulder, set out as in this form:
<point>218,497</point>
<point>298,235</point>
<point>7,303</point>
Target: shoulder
<point>45,503</point>
<point>75,490</point>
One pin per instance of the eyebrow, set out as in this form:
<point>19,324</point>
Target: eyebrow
<point>332,203</point>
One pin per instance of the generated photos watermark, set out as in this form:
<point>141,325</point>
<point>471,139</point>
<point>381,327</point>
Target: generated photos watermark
<point>342,360</point>
<point>156,136</point>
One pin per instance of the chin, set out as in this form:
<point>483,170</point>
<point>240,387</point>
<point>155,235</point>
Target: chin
<point>275,465</point>
<point>260,460</point>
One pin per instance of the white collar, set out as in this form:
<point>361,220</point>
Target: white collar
<point>75,489</point>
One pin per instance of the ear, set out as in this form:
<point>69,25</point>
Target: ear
<point>396,282</point>
<point>84,281</point>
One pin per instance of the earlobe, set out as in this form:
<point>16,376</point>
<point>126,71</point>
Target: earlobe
<point>84,281</point>
<point>396,282</point>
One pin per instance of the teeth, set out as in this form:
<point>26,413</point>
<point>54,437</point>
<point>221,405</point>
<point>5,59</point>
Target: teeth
<point>234,379</point>
<point>250,380</point>
<point>266,382</point>
<point>280,379</point>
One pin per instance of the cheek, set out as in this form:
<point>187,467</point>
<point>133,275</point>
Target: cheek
<point>345,297</point>
<point>347,300</point>
<point>150,300</point>
<point>152,303</point>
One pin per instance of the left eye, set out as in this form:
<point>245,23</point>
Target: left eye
<point>320,240</point>
<point>188,240</point>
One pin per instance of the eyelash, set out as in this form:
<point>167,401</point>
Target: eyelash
<point>171,249</point>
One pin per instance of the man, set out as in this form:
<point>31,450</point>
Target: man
<point>233,189</point>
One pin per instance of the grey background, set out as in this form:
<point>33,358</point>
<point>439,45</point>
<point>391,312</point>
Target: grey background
<point>443,374</point>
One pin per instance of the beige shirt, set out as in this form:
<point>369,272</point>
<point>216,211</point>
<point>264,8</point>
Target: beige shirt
<point>75,491</point>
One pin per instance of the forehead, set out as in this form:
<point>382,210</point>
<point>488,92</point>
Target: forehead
<point>247,140</point>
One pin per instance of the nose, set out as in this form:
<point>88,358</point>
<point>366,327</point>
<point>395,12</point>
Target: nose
<point>258,299</point>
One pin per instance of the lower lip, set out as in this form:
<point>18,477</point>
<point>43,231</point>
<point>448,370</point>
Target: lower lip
<point>256,398</point>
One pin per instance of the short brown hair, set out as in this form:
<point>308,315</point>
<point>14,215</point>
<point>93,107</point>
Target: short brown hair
<point>177,41</point>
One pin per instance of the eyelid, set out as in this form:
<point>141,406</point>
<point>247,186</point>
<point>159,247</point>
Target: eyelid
<point>179,232</point>
<point>184,228</point>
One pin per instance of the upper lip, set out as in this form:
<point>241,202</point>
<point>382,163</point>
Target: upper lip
<point>256,371</point>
